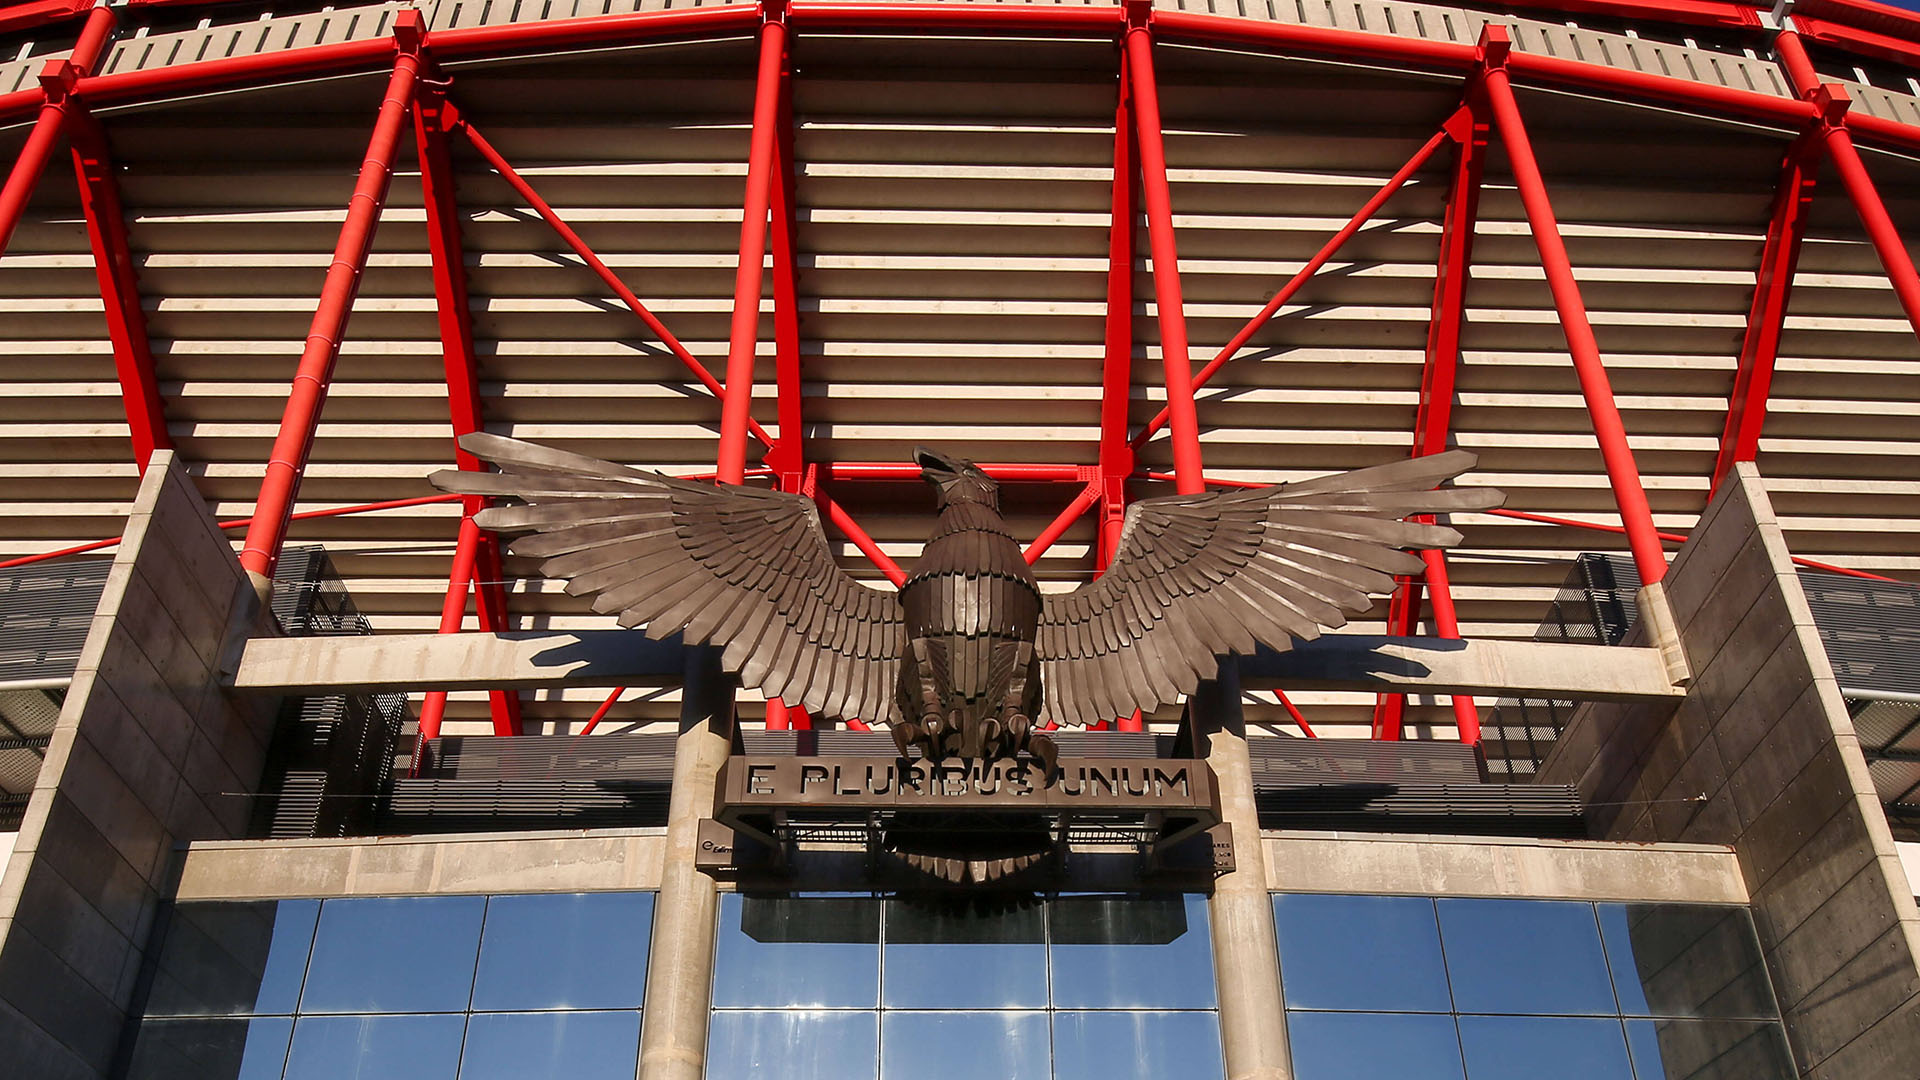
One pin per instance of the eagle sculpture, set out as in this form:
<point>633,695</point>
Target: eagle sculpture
<point>969,656</point>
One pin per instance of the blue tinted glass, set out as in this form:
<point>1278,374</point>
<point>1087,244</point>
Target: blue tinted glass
<point>567,951</point>
<point>412,954</point>
<point>806,951</point>
<point>963,1046</point>
<point>1532,1047</point>
<point>959,957</point>
<point>1525,956</point>
<point>1361,952</point>
<point>230,959</point>
<point>1136,1046</point>
<point>376,1048</point>
<point>793,1045</point>
<point>1709,1050</point>
<point>224,1049</point>
<point>1685,960</point>
<point>1131,952</point>
<point>552,1046</point>
<point>1373,1046</point>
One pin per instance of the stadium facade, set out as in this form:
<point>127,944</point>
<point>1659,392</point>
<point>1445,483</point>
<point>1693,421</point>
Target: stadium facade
<point>301,775</point>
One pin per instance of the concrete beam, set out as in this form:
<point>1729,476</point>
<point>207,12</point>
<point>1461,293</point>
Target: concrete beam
<point>297,666</point>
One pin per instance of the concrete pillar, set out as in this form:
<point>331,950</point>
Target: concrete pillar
<point>1246,956</point>
<point>673,1035</point>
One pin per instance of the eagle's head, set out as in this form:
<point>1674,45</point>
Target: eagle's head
<point>956,480</point>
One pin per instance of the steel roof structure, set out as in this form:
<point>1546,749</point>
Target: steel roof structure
<point>1612,247</point>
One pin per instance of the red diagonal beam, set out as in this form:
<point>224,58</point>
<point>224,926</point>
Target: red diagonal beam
<point>1831,101</point>
<point>119,286</point>
<point>485,570</point>
<point>1433,417</point>
<point>1608,429</point>
<point>309,393</point>
<point>1327,252</point>
<point>1773,289</point>
<point>57,106</point>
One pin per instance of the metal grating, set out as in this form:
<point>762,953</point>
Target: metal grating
<point>45,610</point>
<point>1871,630</point>
<point>332,758</point>
<point>1596,606</point>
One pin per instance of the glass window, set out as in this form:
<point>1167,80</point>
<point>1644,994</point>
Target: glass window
<point>225,959</point>
<point>1131,952</point>
<point>564,951</point>
<point>963,1046</point>
<point>1361,952</point>
<point>1709,1050</point>
<point>1525,956</point>
<point>1116,1045</point>
<point>959,956</point>
<point>1529,1047</point>
<point>412,954</point>
<point>210,1049</point>
<point>813,951</point>
<point>793,1044</point>
<point>376,1048</point>
<point>1373,1046</point>
<point>552,1046</point>
<point>1686,960</point>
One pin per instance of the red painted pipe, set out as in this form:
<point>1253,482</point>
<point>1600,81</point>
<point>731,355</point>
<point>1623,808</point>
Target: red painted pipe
<point>1183,416</point>
<point>853,532</point>
<point>1287,703</point>
<point>453,611</point>
<point>600,713</point>
<point>1447,625</point>
<point>309,393</point>
<point>509,38</point>
<point>240,523</point>
<point>744,338</point>
<point>1087,497</point>
<point>600,269</point>
<point>1320,259</point>
<point>1873,215</point>
<point>1853,172</point>
<point>1622,472</point>
<point>56,101</point>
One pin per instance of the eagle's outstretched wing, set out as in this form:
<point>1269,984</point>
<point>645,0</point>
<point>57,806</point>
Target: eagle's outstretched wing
<point>736,567</point>
<point>1197,576</point>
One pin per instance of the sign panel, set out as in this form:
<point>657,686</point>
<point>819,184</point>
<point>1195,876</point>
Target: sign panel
<point>752,785</point>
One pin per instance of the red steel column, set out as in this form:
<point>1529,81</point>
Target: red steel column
<point>56,81</point>
<point>743,341</point>
<point>1773,288</point>
<point>1433,418</point>
<point>1116,370</point>
<point>452,610</point>
<point>1624,475</point>
<point>119,285</point>
<point>1832,102</point>
<point>309,393</point>
<point>1185,419</point>
<point>787,457</point>
<point>485,570</point>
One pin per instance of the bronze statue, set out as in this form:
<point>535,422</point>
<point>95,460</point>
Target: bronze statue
<point>969,655</point>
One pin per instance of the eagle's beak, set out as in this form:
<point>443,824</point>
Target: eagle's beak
<point>933,464</point>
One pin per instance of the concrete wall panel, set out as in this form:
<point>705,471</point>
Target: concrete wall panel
<point>1763,757</point>
<point>148,753</point>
